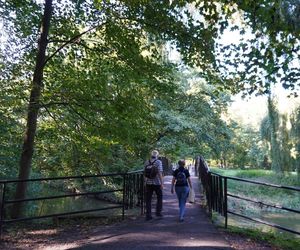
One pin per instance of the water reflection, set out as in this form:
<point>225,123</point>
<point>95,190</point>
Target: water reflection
<point>67,204</point>
<point>287,220</point>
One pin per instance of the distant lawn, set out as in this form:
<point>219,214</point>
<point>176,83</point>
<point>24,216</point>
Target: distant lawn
<point>287,179</point>
<point>283,197</point>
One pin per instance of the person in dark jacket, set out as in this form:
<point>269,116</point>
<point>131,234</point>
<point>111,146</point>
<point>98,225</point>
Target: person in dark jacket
<point>182,182</point>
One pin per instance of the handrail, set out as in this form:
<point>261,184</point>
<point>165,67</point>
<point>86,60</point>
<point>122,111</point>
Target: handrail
<point>265,223</point>
<point>62,196</point>
<point>216,190</point>
<point>132,189</point>
<point>59,214</point>
<point>258,182</point>
<point>135,171</point>
<point>62,177</point>
<point>264,204</point>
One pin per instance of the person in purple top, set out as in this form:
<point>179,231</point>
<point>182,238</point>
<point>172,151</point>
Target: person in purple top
<point>182,182</point>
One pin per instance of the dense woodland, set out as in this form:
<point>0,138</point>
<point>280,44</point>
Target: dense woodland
<point>88,87</point>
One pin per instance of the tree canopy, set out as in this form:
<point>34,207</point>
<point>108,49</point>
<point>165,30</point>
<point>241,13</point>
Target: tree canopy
<point>108,90</point>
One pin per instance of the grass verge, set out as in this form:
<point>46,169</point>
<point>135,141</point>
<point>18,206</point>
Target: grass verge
<point>281,241</point>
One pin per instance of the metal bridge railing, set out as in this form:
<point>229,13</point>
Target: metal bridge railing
<point>131,186</point>
<point>216,191</point>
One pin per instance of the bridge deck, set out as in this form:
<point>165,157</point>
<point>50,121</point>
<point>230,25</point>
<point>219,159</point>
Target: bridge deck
<point>196,232</point>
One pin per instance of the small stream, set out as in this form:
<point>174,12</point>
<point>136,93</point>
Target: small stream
<point>46,191</point>
<point>70,204</point>
<point>288,220</point>
<point>65,205</point>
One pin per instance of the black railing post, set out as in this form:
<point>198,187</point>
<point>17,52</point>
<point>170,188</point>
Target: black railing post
<point>221,207</point>
<point>124,191</point>
<point>129,187</point>
<point>225,202</point>
<point>132,190</point>
<point>209,188</point>
<point>214,198</point>
<point>2,213</point>
<point>136,189</point>
<point>211,184</point>
<point>142,193</point>
<point>219,185</point>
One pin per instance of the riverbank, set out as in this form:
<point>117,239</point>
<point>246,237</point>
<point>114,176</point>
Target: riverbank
<point>267,195</point>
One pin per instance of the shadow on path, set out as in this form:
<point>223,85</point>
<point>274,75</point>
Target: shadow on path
<point>196,232</point>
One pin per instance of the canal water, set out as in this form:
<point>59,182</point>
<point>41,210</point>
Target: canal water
<point>287,220</point>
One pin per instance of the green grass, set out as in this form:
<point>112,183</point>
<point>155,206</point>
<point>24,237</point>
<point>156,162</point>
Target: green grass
<point>287,179</point>
<point>281,241</point>
<point>269,195</point>
<point>263,193</point>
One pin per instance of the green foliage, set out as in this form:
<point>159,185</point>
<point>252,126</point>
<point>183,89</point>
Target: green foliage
<point>295,137</point>
<point>286,145</point>
<point>276,156</point>
<point>259,59</point>
<point>281,139</point>
<point>290,179</point>
<point>98,91</point>
<point>10,131</point>
<point>109,93</point>
<point>245,148</point>
<point>190,119</point>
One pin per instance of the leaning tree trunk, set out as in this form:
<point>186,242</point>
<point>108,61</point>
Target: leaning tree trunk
<point>33,109</point>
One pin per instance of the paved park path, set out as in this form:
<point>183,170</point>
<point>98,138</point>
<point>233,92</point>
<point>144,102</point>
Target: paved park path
<point>196,232</point>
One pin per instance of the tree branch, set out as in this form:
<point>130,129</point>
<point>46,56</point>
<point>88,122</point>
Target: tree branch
<point>161,135</point>
<point>45,105</point>
<point>79,101</point>
<point>83,118</point>
<point>72,40</point>
<point>57,41</point>
<point>49,113</point>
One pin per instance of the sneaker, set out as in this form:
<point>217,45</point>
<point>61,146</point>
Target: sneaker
<point>181,220</point>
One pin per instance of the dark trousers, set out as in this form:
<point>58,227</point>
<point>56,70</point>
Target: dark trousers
<point>149,192</point>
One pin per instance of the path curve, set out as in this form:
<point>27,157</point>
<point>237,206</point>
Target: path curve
<point>196,232</point>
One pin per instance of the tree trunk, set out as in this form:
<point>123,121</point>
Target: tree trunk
<point>33,109</point>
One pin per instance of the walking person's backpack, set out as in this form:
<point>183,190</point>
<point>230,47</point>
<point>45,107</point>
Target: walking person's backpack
<point>151,170</point>
<point>181,178</point>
